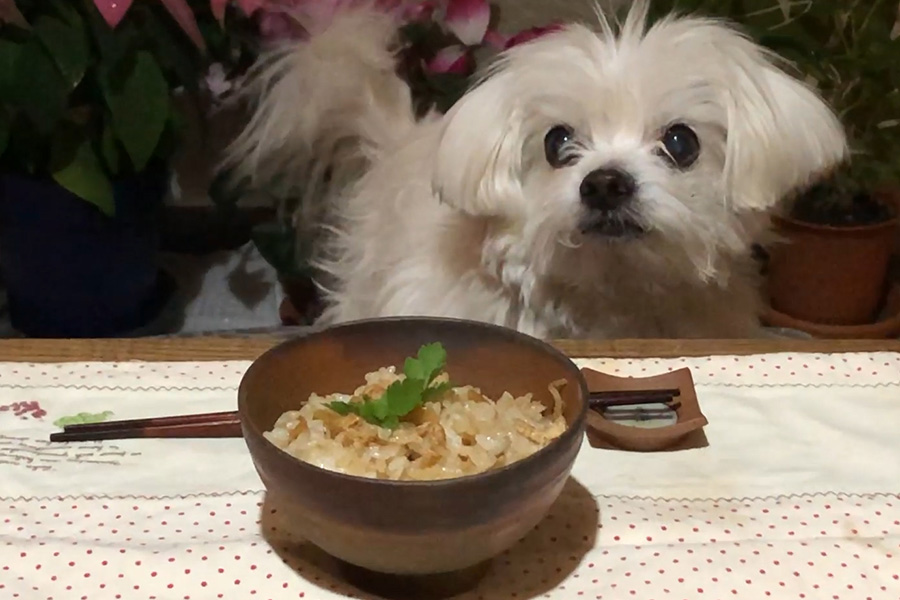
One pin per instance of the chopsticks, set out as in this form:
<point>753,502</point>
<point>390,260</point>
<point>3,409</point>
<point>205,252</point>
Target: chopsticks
<point>601,401</point>
<point>206,425</point>
<point>227,424</point>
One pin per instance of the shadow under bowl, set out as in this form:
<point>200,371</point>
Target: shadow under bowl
<point>437,529</point>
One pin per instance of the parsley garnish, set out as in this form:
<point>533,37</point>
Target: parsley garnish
<point>402,397</point>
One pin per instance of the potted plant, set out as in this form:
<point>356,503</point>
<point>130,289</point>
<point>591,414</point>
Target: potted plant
<point>830,267</point>
<point>89,120</point>
<point>838,236</point>
<point>442,44</point>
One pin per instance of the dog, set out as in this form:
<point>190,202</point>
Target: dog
<point>604,182</point>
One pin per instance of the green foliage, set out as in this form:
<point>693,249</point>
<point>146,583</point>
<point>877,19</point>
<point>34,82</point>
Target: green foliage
<point>75,166</point>
<point>849,51</point>
<point>138,100</point>
<point>840,202</point>
<point>402,397</point>
<point>85,104</point>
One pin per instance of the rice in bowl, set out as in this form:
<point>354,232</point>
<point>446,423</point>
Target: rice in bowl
<point>457,432</point>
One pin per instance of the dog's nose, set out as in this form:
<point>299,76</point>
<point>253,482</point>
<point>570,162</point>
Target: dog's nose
<point>607,189</point>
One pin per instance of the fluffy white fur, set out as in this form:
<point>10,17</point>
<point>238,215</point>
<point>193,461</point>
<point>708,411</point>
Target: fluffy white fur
<point>460,215</point>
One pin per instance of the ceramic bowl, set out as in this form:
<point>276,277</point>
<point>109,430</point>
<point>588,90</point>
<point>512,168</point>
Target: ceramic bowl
<point>411,528</point>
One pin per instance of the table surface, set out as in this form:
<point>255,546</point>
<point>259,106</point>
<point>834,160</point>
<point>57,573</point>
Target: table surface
<point>220,348</point>
<point>184,518</point>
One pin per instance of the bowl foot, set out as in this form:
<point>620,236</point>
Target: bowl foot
<point>436,586</point>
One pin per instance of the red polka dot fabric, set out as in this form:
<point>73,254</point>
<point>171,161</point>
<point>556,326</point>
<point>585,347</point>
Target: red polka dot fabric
<point>234,545</point>
<point>768,370</point>
<point>795,497</point>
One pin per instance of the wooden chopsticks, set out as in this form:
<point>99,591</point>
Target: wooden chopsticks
<point>207,425</point>
<point>603,401</point>
<point>227,424</point>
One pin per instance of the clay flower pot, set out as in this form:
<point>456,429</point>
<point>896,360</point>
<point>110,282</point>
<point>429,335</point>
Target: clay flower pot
<point>831,275</point>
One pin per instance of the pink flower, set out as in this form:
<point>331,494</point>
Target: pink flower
<point>248,7</point>
<point>9,13</point>
<point>282,19</point>
<point>454,60</point>
<point>184,16</point>
<point>218,9</point>
<point>278,25</point>
<point>468,20</point>
<point>419,11</point>
<point>496,40</point>
<point>528,35</point>
<point>113,11</point>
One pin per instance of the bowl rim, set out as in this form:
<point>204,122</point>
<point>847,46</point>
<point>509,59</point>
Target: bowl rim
<point>576,428</point>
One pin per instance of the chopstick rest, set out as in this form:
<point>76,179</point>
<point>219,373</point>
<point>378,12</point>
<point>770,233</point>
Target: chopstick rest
<point>644,414</point>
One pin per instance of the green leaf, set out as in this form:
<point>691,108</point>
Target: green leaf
<point>436,390</point>
<point>391,422</point>
<point>427,364</point>
<point>341,408</point>
<point>140,105</point>
<point>67,42</point>
<point>113,45</point>
<point>109,148</point>
<point>77,168</point>
<point>175,53</point>
<point>402,397</point>
<point>5,126</point>
<point>9,54</point>
<point>378,408</point>
<point>38,88</point>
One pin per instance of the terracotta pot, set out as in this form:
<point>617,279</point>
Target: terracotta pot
<point>830,275</point>
<point>888,326</point>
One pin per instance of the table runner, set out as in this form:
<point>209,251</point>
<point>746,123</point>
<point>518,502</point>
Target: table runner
<point>796,496</point>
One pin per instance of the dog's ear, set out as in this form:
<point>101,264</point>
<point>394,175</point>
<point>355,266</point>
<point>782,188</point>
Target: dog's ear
<point>478,161</point>
<point>781,134</point>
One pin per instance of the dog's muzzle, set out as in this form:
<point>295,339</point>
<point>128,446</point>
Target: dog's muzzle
<point>606,194</point>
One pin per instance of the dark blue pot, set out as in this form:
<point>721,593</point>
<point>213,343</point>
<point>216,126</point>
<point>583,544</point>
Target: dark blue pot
<point>71,271</point>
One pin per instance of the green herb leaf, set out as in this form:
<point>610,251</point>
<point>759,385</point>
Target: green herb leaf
<point>427,364</point>
<point>140,107</point>
<point>402,397</point>
<point>436,390</point>
<point>341,408</point>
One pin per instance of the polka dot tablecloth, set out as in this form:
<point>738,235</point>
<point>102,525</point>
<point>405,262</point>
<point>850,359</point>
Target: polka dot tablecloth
<point>796,495</point>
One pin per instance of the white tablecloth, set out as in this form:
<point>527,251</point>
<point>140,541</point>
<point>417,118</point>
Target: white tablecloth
<point>796,496</point>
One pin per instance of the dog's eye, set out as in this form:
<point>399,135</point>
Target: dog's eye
<point>681,145</point>
<point>555,143</point>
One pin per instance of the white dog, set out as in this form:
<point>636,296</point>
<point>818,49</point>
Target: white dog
<point>602,184</point>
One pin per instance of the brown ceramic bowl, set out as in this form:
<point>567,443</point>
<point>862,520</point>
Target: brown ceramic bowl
<point>411,528</point>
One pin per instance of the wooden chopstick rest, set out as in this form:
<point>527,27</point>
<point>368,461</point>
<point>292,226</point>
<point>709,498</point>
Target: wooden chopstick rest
<point>613,399</point>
